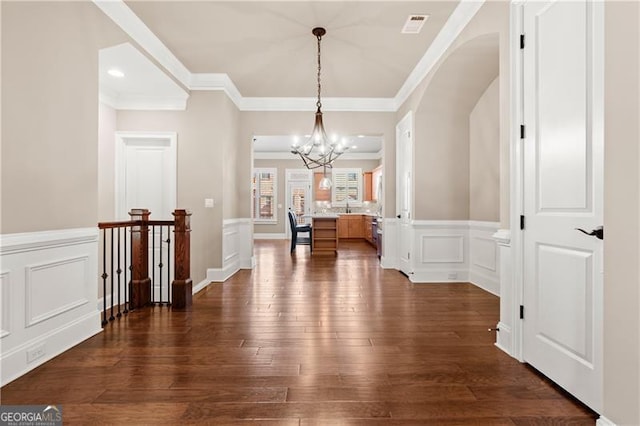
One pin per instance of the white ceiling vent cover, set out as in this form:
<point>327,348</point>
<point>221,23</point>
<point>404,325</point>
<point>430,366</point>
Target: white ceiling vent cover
<point>414,24</point>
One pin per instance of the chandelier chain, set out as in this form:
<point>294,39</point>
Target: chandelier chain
<point>319,103</point>
<point>319,150</point>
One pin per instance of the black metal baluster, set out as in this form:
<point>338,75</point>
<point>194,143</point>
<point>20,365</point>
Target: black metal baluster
<point>130,267</point>
<point>104,277</point>
<point>111,318</point>
<point>168,264</point>
<point>126,282</point>
<point>160,265</point>
<point>153,263</point>
<point>119,271</point>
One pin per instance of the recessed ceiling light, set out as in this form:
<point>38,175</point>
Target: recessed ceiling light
<point>361,136</point>
<point>414,24</point>
<point>354,147</point>
<point>113,72</point>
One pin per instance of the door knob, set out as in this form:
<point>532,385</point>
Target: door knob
<point>399,216</point>
<point>598,232</point>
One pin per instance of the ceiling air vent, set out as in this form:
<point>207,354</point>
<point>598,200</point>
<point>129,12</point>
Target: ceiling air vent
<point>414,24</point>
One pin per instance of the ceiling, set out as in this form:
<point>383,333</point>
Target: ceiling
<point>142,81</point>
<point>267,49</point>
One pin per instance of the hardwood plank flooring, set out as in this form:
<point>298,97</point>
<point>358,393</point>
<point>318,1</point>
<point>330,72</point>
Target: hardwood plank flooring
<point>304,340</point>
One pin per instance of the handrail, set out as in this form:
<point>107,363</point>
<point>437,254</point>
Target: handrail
<point>125,223</point>
<point>118,224</point>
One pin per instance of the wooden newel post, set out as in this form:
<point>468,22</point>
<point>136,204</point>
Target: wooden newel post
<point>140,281</point>
<point>181,287</point>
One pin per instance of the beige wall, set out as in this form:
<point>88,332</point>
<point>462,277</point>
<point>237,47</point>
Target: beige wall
<point>231,156</point>
<point>484,156</point>
<point>622,214</point>
<point>350,123</point>
<point>204,131</point>
<point>442,103</point>
<point>282,165</point>
<point>50,113</point>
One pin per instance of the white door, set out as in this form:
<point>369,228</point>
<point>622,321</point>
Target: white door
<point>404,191</point>
<point>298,196</point>
<point>146,178</point>
<point>147,174</point>
<point>563,184</point>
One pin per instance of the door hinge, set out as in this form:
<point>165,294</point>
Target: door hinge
<point>522,222</point>
<point>521,311</point>
<point>521,41</point>
<point>522,131</point>
<point>409,256</point>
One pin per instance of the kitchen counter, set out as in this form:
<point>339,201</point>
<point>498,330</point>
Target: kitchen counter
<point>325,233</point>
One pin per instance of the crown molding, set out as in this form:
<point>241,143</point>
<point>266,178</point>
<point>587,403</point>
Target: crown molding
<point>124,17</point>
<point>108,97</point>
<point>459,19</point>
<point>216,81</point>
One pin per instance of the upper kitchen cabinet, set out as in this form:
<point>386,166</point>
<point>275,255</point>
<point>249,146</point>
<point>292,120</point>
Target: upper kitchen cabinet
<point>376,183</point>
<point>367,184</point>
<point>372,184</point>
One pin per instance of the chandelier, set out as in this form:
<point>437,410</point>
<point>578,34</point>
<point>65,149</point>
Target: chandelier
<point>319,150</point>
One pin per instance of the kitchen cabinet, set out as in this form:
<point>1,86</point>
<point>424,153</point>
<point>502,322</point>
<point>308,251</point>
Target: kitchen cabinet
<point>376,183</point>
<point>351,226</point>
<point>367,181</point>
<point>325,237</point>
<point>367,222</point>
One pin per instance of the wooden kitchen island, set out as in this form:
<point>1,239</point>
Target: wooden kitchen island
<point>325,234</point>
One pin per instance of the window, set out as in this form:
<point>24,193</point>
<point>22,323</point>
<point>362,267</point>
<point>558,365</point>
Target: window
<point>264,204</point>
<point>347,187</point>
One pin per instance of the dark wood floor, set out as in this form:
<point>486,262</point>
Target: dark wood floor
<point>304,341</point>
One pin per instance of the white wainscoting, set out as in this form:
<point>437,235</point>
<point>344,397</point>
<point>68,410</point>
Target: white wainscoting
<point>449,251</point>
<point>504,337</point>
<point>442,251</point>
<point>237,252</point>
<point>389,258</point>
<point>48,290</point>
<point>484,265</point>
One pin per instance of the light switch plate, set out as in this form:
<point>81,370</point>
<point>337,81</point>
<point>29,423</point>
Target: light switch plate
<point>208,203</point>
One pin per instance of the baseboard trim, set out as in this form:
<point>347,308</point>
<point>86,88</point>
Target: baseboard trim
<point>55,342</point>
<point>269,236</point>
<point>222,274</point>
<point>200,286</point>
<point>485,282</point>
<point>439,276</point>
<point>603,421</point>
<point>385,263</point>
<point>503,338</point>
